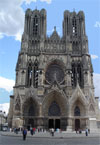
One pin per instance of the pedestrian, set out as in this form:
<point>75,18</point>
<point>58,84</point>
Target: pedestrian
<point>31,130</point>
<point>52,131</point>
<point>86,132</point>
<point>34,130</point>
<point>24,134</point>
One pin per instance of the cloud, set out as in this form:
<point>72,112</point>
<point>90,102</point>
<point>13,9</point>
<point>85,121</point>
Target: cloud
<point>94,56</point>
<point>6,84</point>
<point>4,107</point>
<point>1,36</point>
<point>12,17</point>
<point>97,24</point>
<point>48,1</point>
<point>29,1</point>
<point>18,37</point>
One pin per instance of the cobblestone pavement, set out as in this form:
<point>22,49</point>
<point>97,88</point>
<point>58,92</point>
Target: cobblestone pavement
<point>48,135</point>
<point>9,140</point>
<point>47,139</point>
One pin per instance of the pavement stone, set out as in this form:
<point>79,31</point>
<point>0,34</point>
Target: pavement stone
<point>48,135</point>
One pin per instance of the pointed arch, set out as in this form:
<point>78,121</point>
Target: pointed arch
<point>30,107</point>
<point>77,111</point>
<point>78,99</point>
<point>78,108</point>
<point>57,100</point>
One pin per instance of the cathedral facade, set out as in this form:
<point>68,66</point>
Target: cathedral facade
<point>54,76</point>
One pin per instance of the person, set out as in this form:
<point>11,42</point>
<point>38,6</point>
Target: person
<point>31,131</point>
<point>24,134</point>
<point>86,132</point>
<point>52,131</point>
<point>34,130</point>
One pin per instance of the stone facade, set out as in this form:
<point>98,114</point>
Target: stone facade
<point>54,76</point>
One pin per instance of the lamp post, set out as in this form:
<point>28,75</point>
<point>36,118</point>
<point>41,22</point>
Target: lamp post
<point>2,119</point>
<point>1,115</point>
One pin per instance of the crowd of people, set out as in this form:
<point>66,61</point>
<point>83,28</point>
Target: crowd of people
<point>52,131</point>
<point>87,131</point>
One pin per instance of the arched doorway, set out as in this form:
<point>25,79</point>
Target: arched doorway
<point>54,123</point>
<point>79,114</point>
<point>54,111</point>
<point>30,123</point>
<point>30,110</point>
<point>77,124</point>
<point>51,123</point>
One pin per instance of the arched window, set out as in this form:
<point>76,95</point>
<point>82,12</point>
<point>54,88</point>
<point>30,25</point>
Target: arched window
<point>17,107</point>
<point>30,72</point>
<point>77,74</point>
<point>77,111</point>
<point>54,109</point>
<point>74,26</point>
<point>35,25</point>
<point>36,71</point>
<point>31,111</point>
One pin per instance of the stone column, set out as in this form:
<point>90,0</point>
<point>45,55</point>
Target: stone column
<point>10,115</point>
<point>40,109</point>
<point>69,127</point>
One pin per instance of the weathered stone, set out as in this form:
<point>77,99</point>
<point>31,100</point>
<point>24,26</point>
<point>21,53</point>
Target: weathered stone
<point>54,76</point>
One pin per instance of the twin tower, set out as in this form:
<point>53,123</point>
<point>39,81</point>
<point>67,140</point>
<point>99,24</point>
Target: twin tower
<point>54,76</point>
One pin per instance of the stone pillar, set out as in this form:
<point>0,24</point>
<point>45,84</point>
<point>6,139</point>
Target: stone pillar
<point>69,127</point>
<point>93,125</point>
<point>10,115</point>
<point>40,109</point>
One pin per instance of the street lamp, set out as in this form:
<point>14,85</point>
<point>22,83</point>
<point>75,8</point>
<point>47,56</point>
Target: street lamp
<point>1,115</point>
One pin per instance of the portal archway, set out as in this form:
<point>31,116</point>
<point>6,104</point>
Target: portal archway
<point>78,111</point>
<point>30,110</point>
<point>77,124</point>
<point>55,100</point>
<point>55,108</point>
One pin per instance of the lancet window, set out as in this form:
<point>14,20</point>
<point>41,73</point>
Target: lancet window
<point>35,25</point>
<point>74,26</point>
<point>77,74</point>
<point>30,72</point>
<point>77,111</point>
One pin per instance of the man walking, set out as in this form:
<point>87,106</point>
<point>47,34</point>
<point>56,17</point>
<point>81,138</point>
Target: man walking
<point>24,134</point>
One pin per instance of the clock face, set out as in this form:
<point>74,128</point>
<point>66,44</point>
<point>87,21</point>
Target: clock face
<point>54,73</point>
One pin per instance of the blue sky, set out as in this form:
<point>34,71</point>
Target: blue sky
<point>11,28</point>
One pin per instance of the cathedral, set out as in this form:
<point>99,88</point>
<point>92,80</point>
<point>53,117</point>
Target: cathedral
<point>54,76</point>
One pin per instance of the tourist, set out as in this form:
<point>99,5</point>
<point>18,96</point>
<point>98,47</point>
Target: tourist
<point>52,131</point>
<point>31,130</point>
<point>24,134</point>
<point>86,132</point>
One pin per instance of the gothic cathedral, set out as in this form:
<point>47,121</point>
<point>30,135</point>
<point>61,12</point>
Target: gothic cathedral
<point>54,76</point>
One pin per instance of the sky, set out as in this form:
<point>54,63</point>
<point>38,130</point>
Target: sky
<point>12,14</point>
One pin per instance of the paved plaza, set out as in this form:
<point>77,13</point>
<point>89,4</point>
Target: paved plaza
<point>47,139</point>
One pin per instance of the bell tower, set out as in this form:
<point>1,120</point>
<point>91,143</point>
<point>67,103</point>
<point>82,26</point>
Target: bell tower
<point>35,23</point>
